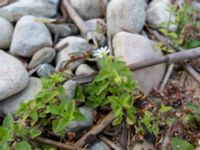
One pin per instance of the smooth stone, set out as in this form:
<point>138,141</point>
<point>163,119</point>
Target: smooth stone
<point>79,125</point>
<point>89,9</point>
<point>45,55</point>
<point>84,69</point>
<point>158,13</point>
<point>45,70</point>
<point>62,30</point>
<point>6,33</point>
<point>133,49</point>
<point>70,88</point>
<point>196,6</point>
<point>99,146</point>
<point>125,16</point>
<point>29,37</point>
<point>13,75</point>
<point>12,104</point>
<point>68,46</point>
<point>37,8</point>
<point>96,24</point>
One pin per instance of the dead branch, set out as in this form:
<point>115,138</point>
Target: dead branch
<point>108,142</point>
<point>96,129</point>
<point>56,144</point>
<point>89,35</point>
<point>171,58</point>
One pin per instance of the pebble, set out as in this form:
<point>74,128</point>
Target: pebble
<point>45,55</point>
<point>89,9</point>
<point>45,70</point>
<point>84,69</point>
<point>68,46</point>
<point>38,8</point>
<point>79,125</point>
<point>125,16</point>
<point>158,13</point>
<point>12,104</point>
<point>13,75</point>
<point>6,33</point>
<point>99,146</point>
<point>29,37</point>
<point>134,48</point>
<point>70,88</point>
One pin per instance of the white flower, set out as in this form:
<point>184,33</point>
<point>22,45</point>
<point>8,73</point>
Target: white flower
<point>103,51</point>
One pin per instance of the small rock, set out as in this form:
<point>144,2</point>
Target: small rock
<point>69,46</point>
<point>29,37</point>
<point>89,9</point>
<point>96,24</point>
<point>84,69</point>
<point>13,75</point>
<point>45,55</point>
<point>158,13</point>
<point>143,146</point>
<point>12,104</point>
<point>125,16</point>
<point>6,33</point>
<point>62,30</point>
<point>134,48</point>
<point>79,125</point>
<point>196,6</point>
<point>45,70</point>
<point>99,146</point>
<point>37,8</point>
<point>70,87</point>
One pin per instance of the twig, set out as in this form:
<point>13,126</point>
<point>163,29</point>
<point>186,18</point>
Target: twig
<point>171,58</point>
<point>124,135</point>
<point>89,35</point>
<point>56,144</point>
<point>96,129</point>
<point>166,78</point>
<point>108,142</point>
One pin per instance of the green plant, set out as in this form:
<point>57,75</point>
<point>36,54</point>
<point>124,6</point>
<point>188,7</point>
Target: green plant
<point>50,110</point>
<point>113,86</point>
<point>180,144</point>
<point>153,121</point>
<point>187,33</point>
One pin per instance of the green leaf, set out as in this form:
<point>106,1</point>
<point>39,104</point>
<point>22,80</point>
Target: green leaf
<point>118,119</point>
<point>102,76</point>
<point>164,109</point>
<point>8,122</point>
<point>127,100</point>
<point>34,117</point>
<point>59,125</point>
<point>55,110</point>
<point>180,144</point>
<point>79,116</point>
<point>23,145</point>
<point>5,134</point>
<point>34,132</point>
<point>102,87</point>
<point>4,146</point>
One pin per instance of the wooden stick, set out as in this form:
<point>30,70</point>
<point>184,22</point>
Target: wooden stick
<point>56,144</point>
<point>108,142</point>
<point>96,129</point>
<point>171,58</point>
<point>89,35</point>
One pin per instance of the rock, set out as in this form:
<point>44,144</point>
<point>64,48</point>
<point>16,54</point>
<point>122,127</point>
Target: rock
<point>29,37</point>
<point>45,70</point>
<point>158,13</point>
<point>196,6</point>
<point>125,16</point>
<point>84,69</point>
<point>6,33</point>
<point>13,75</point>
<point>96,24</point>
<point>37,8</point>
<point>70,88</point>
<point>79,125</point>
<point>134,48</point>
<point>89,9</point>
<point>62,30</point>
<point>12,104</point>
<point>143,146</point>
<point>71,45</point>
<point>99,146</point>
<point>45,55</point>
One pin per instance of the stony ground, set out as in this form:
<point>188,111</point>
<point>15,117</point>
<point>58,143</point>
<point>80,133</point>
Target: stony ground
<point>32,47</point>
